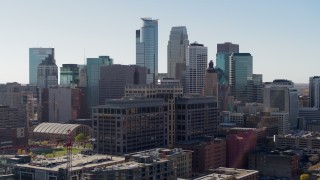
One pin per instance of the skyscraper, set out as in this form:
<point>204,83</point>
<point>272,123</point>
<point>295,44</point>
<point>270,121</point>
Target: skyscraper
<point>314,91</point>
<point>224,50</point>
<point>47,73</point>
<point>69,75</point>
<point>240,74</point>
<point>210,87</point>
<point>177,46</point>
<point>93,77</point>
<point>195,68</point>
<point>36,56</point>
<point>282,94</point>
<point>147,48</point>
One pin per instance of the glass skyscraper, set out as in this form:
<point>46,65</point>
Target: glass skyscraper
<point>36,56</point>
<point>93,77</point>
<point>147,48</point>
<point>69,75</point>
<point>177,46</point>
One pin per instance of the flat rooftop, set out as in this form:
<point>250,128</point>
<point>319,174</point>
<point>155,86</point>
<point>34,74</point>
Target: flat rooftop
<point>79,161</point>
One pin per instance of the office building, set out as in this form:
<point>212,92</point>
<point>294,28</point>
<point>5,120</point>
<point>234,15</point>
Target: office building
<point>93,77</point>
<point>176,52</point>
<point>300,140</point>
<point>257,88</point>
<point>240,76</point>
<point>114,78</point>
<point>232,117</point>
<point>277,164</point>
<point>223,173</point>
<point>168,92</point>
<point>224,50</point>
<point>60,105</point>
<point>36,56</point>
<point>195,68</point>
<point>283,121</point>
<point>310,119</point>
<point>47,73</point>
<point>82,75</point>
<point>196,117</point>
<point>239,144</point>
<point>210,87</point>
<point>314,91</point>
<point>281,94</point>
<point>147,48</point>
<point>265,119</point>
<point>129,124</point>
<point>207,153</point>
<point>69,75</point>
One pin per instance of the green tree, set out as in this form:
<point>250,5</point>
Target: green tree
<point>81,138</point>
<point>304,177</point>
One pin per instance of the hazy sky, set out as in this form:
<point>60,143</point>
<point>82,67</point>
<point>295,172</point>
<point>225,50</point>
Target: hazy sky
<point>282,36</point>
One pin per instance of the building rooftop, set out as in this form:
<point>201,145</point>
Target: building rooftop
<point>55,128</point>
<point>302,134</point>
<point>238,173</point>
<point>79,161</point>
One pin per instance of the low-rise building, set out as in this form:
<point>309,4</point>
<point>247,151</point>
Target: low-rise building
<point>301,140</point>
<point>223,173</point>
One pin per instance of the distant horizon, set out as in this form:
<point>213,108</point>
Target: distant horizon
<point>281,41</point>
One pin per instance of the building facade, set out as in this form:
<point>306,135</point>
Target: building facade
<point>147,48</point>
<point>114,78</point>
<point>176,52</point>
<point>197,58</point>
<point>128,125</point>
<point>69,75</point>
<point>314,91</point>
<point>36,56</point>
<point>240,76</point>
<point>93,77</point>
<point>196,117</point>
<point>210,87</point>
<point>47,73</point>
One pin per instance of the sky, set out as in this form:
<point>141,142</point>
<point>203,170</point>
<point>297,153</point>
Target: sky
<point>282,36</point>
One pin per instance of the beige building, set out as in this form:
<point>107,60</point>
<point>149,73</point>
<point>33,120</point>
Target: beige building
<point>210,87</point>
<point>308,140</point>
<point>223,173</point>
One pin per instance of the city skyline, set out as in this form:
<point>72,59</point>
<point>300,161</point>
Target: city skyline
<point>279,35</point>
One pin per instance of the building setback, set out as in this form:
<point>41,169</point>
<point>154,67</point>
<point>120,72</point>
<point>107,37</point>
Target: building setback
<point>129,124</point>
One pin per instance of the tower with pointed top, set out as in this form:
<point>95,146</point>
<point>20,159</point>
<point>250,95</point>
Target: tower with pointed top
<point>210,87</point>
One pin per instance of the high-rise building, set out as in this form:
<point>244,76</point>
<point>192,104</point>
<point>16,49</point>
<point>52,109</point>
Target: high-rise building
<point>147,48</point>
<point>314,91</point>
<point>196,117</point>
<point>36,56</point>
<point>69,75</point>
<point>129,124</point>
<point>282,94</point>
<point>197,58</point>
<point>257,87</point>
<point>168,92</point>
<point>283,121</point>
<point>177,46</point>
<point>93,77</point>
<point>240,75</point>
<point>114,78</point>
<point>82,75</point>
<point>224,50</point>
<point>47,73</point>
<point>210,87</point>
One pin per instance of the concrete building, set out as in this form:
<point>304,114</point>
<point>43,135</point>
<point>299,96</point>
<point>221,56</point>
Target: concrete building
<point>239,145</point>
<point>240,76</point>
<point>114,78</point>
<point>69,75</point>
<point>47,73</point>
<point>277,164</point>
<point>60,105</point>
<point>147,48</point>
<point>302,140</point>
<point>282,94</point>
<point>93,77</point>
<point>55,168</point>
<point>168,92</point>
<point>283,121</point>
<point>210,87</point>
<point>182,159</point>
<point>36,56</point>
<point>176,50</point>
<point>314,91</point>
<point>139,166</point>
<point>264,119</point>
<point>196,117</point>
<point>197,58</point>
<point>129,124</point>
<point>223,173</point>
<point>231,117</point>
<point>310,119</point>
<point>207,153</point>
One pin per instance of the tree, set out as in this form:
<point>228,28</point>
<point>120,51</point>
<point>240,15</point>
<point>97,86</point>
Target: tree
<point>304,177</point>
<point>81,137</point>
